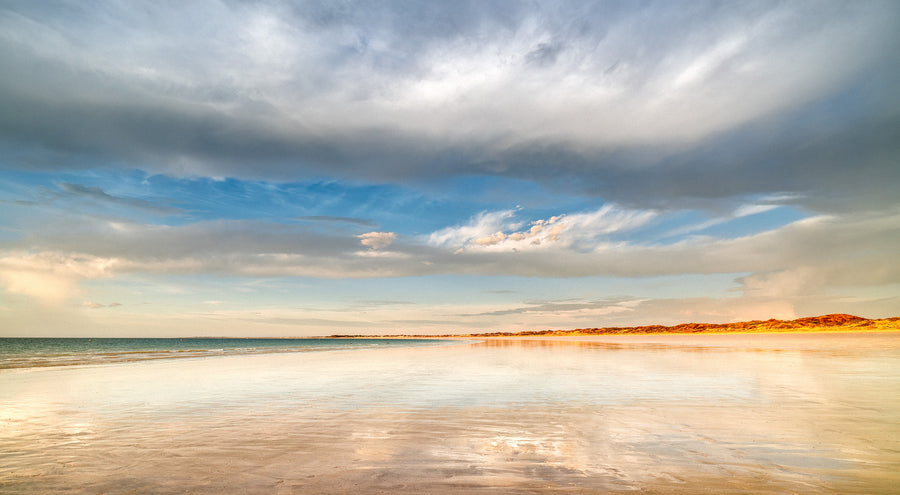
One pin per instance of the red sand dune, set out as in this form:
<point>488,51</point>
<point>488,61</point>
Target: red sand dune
<point>832,322</point>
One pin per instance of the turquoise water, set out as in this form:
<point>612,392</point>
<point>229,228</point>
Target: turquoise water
<point>17,353</point>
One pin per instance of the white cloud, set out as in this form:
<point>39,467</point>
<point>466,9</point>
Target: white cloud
<point>50,277</point>
<point>372,253</point>
<point>377,240</point>
<point>495,232</point>
<point>706,64</point>
<point>752,209</point>
<point>705,310</point>
<point>483,225</point>
<point>42,286</point>
<point>741,211</point>
<point>793,282</point>
<point>607,220</point>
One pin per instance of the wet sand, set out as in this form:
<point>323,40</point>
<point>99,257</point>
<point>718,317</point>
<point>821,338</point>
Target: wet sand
<point>662,414</point>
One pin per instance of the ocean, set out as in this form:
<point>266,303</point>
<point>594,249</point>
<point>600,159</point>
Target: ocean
<point>23,353</point>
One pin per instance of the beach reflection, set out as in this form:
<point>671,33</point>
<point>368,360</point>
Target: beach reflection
<point>665,414</point>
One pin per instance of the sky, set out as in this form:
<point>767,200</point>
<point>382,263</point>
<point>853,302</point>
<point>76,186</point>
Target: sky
<point>269,168</point>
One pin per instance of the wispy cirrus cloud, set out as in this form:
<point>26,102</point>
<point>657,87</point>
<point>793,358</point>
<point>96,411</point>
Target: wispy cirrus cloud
<point>593,308</point>
<point>98,195</point>
<point>498,231</point>
<point>741,211</point>
<point>360,222</point>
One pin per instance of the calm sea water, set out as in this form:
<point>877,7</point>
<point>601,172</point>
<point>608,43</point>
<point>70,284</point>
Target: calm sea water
<point>46,352</point>
<point>724,414</point>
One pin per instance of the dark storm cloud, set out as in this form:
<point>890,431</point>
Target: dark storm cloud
<point>647,104</point>
<point>847,166</point>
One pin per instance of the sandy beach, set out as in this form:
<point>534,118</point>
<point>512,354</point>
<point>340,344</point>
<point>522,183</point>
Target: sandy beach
<point>662,414</point>
<point>485,247</point>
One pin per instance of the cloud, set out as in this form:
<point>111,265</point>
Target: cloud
<point>823,263</point>
<point>377,240</point>
<point>99,195</point>
<point>642,105</point>
<point>49,277</point>
<point>383,302</point>
<point>855,249</point>
<point>625,311</point>
<point>96,305</point>
<point>792,282</point>
<point>544,54</point>
<point>495,231</point>
<point>592,308</point>
<point>483,225</point>
<point>361,222</point>
<point>42,286</point>
<point>818,256</point>
<point>672,311</point>
<point>744,210</point>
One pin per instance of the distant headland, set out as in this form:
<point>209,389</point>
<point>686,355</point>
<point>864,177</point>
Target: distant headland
<point>825,323</point>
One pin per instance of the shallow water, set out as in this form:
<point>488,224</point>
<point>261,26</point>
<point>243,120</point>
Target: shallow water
<point>663,414</point>
<point>18,353</point>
